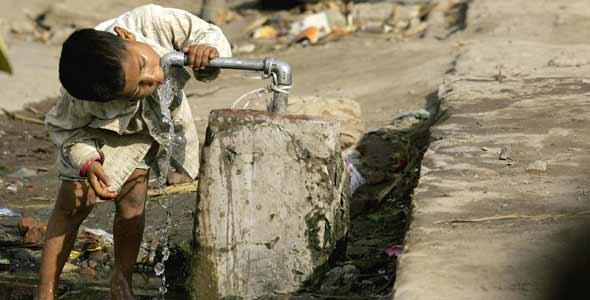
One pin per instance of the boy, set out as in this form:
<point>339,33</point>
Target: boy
<point>108,127</point>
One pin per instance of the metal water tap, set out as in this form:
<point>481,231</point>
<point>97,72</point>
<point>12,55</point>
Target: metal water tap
<point>278,70</point>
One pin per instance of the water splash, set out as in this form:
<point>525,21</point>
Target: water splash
<point>166,92</point>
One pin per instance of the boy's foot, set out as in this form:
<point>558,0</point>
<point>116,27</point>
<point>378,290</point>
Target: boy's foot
<point>120,289</point>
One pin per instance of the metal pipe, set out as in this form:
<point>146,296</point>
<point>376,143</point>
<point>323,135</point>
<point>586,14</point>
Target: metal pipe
<point>177,59</point>
<point>278,70</point>
<point>237,63</point>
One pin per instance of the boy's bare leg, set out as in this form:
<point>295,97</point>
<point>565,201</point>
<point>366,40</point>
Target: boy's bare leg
<point>75,200</point>
<point>128,232</point>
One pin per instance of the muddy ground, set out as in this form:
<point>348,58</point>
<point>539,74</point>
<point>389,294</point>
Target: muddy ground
<point>388,76</point>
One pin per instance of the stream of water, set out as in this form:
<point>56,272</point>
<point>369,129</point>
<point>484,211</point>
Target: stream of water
<point>166,92</point>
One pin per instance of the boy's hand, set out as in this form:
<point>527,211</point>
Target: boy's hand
<point>198,56</point>
<point>99,181</point>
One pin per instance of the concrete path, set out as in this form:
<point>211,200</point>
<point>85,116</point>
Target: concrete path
<point>485,228</point>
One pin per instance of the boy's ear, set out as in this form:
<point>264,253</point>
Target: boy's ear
<point>124,34</point>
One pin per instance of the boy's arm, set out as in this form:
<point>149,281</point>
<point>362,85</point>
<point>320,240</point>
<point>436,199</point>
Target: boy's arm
<point>65,123</point>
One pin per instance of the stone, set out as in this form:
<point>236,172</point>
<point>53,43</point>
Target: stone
<point>538,166</point>
<point>406,13</point>
<point>23,173</point>
<point>23,27</point>
<point>381,157</point>
<point>12,188</point>
<point>272,204</point>
<point>175,178</point>
<point>331,280</point>
<point>347,111</point>
<point>33,230</point>
<point>20,255</point>
<point>338,281</point>
<point>364,13</point>
<point>335,18</point>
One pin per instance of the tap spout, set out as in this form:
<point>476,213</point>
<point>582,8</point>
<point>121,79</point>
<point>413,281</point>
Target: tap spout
<point>174,58</point>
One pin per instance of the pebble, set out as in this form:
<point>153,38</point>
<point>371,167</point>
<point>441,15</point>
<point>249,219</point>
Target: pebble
<point>538,166</point>
<point>351,272</point>
<point>12,188</point>
<point>505,153</point>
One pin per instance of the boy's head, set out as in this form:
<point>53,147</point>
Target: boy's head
<point>100,66</point>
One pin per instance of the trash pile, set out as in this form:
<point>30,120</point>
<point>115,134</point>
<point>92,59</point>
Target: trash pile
<point>21,246</point>
<point>92,252</point>
<point>331,20</point>
<point>92,255</point>
<point>307,24</point>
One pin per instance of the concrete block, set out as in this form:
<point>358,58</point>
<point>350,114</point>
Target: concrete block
<point>272,206</point>
<point>347,111</point>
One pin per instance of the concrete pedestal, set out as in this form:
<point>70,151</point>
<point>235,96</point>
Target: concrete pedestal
<point>273,204</point>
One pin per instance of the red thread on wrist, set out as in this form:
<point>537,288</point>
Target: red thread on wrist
<point>86,165</point>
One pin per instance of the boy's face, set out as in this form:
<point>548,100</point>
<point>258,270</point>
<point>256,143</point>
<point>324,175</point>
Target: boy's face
<point>142,68</point>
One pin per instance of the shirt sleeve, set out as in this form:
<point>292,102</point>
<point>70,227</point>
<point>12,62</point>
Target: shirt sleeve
<point>66,124</point>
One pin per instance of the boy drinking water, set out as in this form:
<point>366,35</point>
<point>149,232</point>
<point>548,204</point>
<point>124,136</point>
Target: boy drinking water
<point>108,127</point>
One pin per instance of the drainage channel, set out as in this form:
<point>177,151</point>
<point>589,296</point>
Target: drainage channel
<point>390,158</point>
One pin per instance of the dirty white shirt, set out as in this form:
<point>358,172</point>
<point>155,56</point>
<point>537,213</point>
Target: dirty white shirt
<point>81,128</point>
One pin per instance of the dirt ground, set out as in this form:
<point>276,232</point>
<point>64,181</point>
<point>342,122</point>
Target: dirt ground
<point>386,75</point>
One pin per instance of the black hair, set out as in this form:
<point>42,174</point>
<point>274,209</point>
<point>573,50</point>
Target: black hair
<point>90,65</point>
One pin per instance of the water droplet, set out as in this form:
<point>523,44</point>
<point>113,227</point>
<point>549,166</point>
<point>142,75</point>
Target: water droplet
<point>163,290</point>
<point>159,269</point>
<point>166,253</point>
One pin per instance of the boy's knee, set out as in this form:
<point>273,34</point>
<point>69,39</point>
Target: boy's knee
<point>133,200</point>
<point>75,199</point>
<point>133,194</point>
<point>131,206</point>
